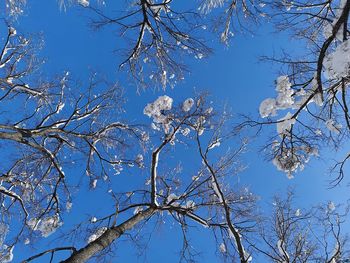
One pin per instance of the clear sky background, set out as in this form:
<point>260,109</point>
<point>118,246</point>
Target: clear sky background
<point>232,75</point>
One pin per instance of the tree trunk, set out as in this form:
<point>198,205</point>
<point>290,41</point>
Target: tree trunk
<point>107,238</point>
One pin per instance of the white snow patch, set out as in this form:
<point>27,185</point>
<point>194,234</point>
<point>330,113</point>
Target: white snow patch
<point>268,108</point>
<point>84,3</point>
<point>222,248</point>
<point>285,124</point>
<point>187,104</point>
<point>96,235</point>
<point>337,63</point>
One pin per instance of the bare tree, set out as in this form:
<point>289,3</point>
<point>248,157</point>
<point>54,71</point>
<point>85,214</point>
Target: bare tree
<point>58,124</point>
<point>202,199</point>
<point>50,124</point>
<point>228,17</point>
<point>162,32</point>
<point>312,88</point>
<point>159,34</point>
<point>303,234</point>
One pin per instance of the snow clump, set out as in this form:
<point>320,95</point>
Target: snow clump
<point>155,110</point>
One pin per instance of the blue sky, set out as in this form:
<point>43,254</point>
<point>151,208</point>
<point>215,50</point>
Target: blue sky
<point>232,75</point>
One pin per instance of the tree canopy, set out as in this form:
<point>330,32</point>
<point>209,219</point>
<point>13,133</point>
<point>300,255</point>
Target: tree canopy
<point>94,164</point>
